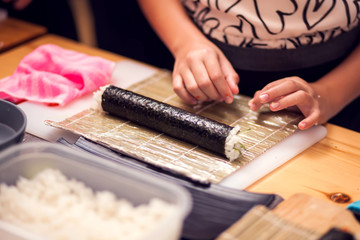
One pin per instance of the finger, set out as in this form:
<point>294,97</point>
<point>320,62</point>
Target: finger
<point>233,81</point>
<point>280,81</point>
<point>310,121</point>
<point>192,87</point>
<point>218,78</point>
<point>262,96</point>
<point>205,81</point>
<point>304,102</point>
<point>255,103</point>
<point>230,74</point>
<point>279,89</point>
<point>273,84</point>
<point>300,98</point>
<point>180,90</point>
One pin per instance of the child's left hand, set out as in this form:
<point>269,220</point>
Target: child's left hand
<point>290,93</point>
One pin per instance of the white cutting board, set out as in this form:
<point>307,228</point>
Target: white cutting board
<point>127,73</point>
<point>274,157</point>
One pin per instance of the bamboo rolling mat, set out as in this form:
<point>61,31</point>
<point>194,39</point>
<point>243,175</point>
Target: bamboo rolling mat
<point>300,217</point>
<point>266,129</point>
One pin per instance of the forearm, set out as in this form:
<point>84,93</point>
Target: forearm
<point>340,86</point>
<point>169,19</point>
<point>201,71</point>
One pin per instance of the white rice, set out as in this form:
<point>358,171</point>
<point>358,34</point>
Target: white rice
<point>233,145</point>
<point>57,208</point>
<point>97,97</point>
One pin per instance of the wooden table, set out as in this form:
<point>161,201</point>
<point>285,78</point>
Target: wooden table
<point>14,32</point>
<point>330,166</point>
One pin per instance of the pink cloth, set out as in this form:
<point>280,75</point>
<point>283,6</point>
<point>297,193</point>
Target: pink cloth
<point>54,75</point>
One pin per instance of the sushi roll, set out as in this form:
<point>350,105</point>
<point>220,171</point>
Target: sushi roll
<point>176,122</point>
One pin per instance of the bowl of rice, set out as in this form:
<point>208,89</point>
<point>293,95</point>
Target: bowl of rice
<point>49,191</point>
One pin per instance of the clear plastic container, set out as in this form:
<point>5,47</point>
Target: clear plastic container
<point>28,159</point>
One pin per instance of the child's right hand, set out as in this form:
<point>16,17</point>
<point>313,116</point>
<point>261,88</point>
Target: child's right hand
<point>202,73</point>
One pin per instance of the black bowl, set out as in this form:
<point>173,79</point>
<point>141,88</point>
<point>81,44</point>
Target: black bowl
<point>12,124</point>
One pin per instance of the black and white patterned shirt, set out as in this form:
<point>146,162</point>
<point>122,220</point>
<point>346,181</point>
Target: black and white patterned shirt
<point>273,24</point>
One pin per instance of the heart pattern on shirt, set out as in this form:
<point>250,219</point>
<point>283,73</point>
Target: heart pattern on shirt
<point>275,16</point>
<point>315,11</point>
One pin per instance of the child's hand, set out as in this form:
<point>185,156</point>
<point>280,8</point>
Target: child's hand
<point>290,93</point>
<point>202,73</point>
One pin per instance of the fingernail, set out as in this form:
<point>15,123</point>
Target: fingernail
<point>252,107</point>
<point>236,90</point>
<point>302,125</point>
<point>274,105</point>
<point>193,101</point>
<point>228,99</point>
<point>264,97</point>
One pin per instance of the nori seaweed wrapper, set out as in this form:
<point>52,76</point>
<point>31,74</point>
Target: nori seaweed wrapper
<point>162,117</point>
